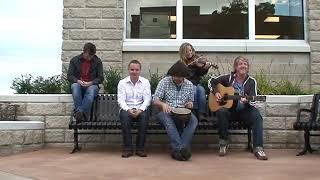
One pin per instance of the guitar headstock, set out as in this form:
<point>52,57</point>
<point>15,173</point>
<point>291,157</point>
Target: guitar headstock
<point>257,98</point>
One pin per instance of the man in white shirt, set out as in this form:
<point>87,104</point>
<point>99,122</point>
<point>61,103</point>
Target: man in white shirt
<point>134,97</point>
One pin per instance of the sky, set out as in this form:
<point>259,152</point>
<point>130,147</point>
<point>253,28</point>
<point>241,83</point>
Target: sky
<point>30,39</point>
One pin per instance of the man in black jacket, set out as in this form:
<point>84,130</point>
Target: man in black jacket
<point>245,110</point>
<point>85,73</point>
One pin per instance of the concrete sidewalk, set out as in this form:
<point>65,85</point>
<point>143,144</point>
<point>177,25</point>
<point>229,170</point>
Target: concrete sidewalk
<point>92,164</point>
<point>8,176</point>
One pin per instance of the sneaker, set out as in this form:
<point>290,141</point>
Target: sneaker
<point>186,154</point>
<point>261,155</point>
<point>126,153</point>
<point>223,149</point>
<point>141,153</point>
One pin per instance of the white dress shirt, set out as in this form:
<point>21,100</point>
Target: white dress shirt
<point>134,95</point>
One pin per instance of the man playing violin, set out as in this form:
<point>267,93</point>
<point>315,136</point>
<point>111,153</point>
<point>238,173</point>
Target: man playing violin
<point>176,91</point>
<point>198,67</point>
<point>243,109</point>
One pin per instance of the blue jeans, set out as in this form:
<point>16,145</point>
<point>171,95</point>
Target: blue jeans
<point>177,140</point>
<point>250,115</point>
<point>126,121</point>
<point>200,101</point>
<point>83,96</point>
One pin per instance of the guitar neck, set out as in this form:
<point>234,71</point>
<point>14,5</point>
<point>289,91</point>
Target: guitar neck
<point>249,98</point>
<point>236,97</point>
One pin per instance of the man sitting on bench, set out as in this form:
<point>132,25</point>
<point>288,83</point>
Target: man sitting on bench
<point>245,110</point>
<point>134,97</point>
<point>85,73</point>
<point>176,91</point>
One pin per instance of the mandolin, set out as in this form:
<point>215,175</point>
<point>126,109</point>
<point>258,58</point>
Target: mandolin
<point>228,98</point>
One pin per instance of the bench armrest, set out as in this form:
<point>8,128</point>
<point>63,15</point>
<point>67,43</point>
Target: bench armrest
<point>300,111</point>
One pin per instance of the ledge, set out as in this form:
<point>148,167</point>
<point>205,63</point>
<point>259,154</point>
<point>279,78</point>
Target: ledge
<point>288,99</point>
<point>37,98</point>
<point>206,45</point>
<point>20,125</point>
<point>67,98</point>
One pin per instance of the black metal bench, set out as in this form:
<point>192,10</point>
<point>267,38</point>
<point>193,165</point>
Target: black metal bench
<point>309,125</point>
<point>104,115</point>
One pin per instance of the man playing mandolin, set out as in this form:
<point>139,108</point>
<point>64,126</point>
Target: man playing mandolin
<point>243,109</point>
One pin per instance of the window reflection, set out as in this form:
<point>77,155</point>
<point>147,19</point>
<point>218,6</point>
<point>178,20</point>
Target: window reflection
<point>279,19</point>
<point>151,19</point>
<point>219,19</point>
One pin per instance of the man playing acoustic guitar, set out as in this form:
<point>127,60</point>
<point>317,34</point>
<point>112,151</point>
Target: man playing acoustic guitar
<point>243,109</point>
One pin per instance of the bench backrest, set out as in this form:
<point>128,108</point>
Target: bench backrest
<point>106,108</point>
<point>315,111</point>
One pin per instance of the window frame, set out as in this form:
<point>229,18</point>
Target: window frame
<point>217,45</point>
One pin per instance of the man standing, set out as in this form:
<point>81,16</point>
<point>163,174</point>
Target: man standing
<point>85,73</point>
<point>134,97</point>
<point>176,91</point>
<point>244,110</point>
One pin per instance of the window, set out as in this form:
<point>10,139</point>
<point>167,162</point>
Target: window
<point>281,19</point>
<point>241,23</point>
<point>151,19</point>
<point>219,19</point>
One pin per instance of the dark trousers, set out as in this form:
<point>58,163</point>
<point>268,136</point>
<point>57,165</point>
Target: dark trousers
<point>126,122</point>
<point>250,115</point>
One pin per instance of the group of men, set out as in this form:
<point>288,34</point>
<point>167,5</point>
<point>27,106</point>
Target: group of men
<point>134,98</point>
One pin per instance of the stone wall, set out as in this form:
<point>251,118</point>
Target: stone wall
<point>279,113</point>
<point>102,22</point>
<point>97,21</point>
<point>278,66</point>
<point>20,136</point>
<point>314,39</point>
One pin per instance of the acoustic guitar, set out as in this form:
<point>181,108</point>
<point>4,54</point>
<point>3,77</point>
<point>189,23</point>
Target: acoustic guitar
<point>228,98</point>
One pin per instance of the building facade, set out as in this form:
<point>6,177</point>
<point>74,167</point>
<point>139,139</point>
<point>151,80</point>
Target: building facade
<point>281,38</point>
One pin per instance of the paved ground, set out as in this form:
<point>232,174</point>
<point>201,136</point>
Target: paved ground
<point>90,164</point>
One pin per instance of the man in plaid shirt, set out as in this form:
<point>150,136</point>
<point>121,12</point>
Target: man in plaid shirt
<point>176,91</point>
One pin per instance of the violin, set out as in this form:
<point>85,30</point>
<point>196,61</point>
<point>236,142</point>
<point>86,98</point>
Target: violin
<point>200,61</point>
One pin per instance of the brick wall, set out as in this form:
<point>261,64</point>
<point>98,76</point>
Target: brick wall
<point>96,21</point>
<point>314,39</point>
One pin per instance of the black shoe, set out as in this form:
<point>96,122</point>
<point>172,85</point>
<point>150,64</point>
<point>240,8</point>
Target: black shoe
<point>126,153</point>
<point>202,117</point>
<point>186,154</point>
<point>79,116</point>
<point>141,153</point>
<point>177,156</point>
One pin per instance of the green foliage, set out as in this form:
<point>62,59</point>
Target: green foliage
<point>264,85</point>
<point>23,85</point>
<point>204,82</point>
<point>51,85</point>
<point>154,80</point>
<point>112,76</point>
<point>281,87</point>
<point>65,84</point>
<point>27,84</point>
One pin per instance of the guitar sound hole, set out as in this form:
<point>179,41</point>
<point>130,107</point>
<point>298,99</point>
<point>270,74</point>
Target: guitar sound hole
<point>222,103</point>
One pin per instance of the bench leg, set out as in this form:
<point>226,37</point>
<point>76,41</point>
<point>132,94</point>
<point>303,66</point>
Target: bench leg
<point>307,146</point>
<point>76,142</point>
<point>249,147</point>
